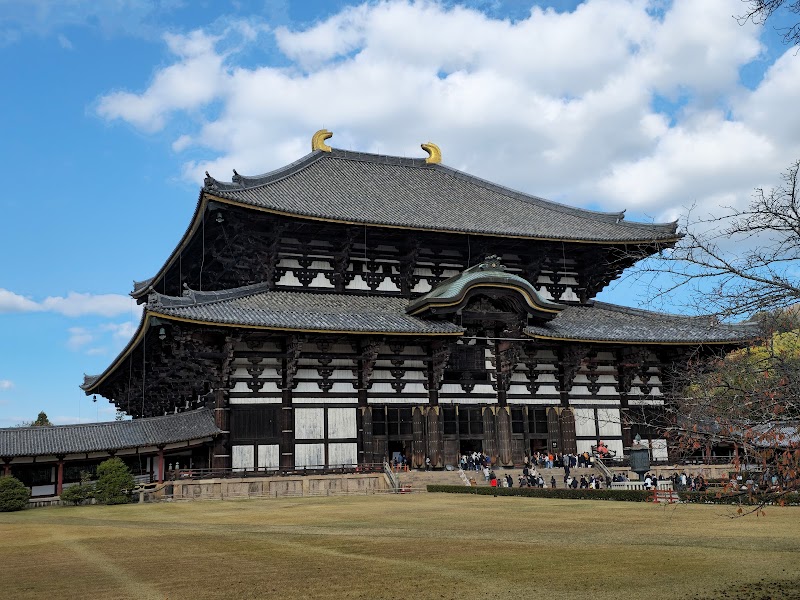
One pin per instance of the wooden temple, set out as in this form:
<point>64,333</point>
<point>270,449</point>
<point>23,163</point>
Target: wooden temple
<point>349,306</point>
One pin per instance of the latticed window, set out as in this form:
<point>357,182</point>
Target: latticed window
<point>537,421</point>
<point>450,421</point>
<point>378,421</point>
<point>517,420</point>
<point>254,423</point>
<point>470,421</point>
<point>398,421</point>
<point>467,358</point>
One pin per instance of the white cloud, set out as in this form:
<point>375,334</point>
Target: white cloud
<point>79,337</point>
<point>559,103</point>
<point>74,304</point>
<point>64,42</point>
<point>12,303</point>
<point>6,384</point>
<point>96,340</point>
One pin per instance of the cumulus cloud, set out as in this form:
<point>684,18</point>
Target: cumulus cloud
<point>74,304</point>
<point>78,338</point>
<point>95,340</point>
<point>561,104</point>
<point>6,384</point>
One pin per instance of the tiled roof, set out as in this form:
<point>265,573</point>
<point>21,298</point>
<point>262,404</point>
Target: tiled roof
<point>603,322</point>
<point>256,306</point>
<point>356,187</point>
<point>489,273</point>
<point>114,435</point>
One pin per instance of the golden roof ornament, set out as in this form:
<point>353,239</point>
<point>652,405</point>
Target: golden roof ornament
<point>318,140</point>
<point>434,154</point>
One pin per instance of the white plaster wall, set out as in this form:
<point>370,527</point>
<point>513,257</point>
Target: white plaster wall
<point>660,450</point>
<point>309,423</point>
<point>615,446</point>
<point>585,446</point>
<point>395,400</point>
<point>320,281</point>
<point>342,453</point>
<point>584,422</point>
<point>387,285</point>
<point>326,400</point>
<point>268,456</point>
<point>608,422</point>
<point>422,287</point>
<point>342,423</point>
<point>289,280</point>
<point>358,283</point>
<point>536,401</point>
<point>309,455</point>
<point>254,401</point>
<point>243,457</point>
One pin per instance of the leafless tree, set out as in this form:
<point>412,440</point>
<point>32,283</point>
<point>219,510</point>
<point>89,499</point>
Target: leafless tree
<point>760,12</point>
<point>743,262</point>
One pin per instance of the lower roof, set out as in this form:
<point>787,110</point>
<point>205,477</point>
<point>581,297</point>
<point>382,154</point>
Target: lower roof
<point>111,436</point>
<point>256,306</point>
<point>609,323</point>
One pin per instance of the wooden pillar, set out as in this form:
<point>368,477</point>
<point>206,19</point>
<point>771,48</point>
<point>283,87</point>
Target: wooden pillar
<point>489,433</point>
<point>6,467</point>
<point>60,476</point>
<point>286,446</point>
<point>160,464</point>
<point>418,445</point>
<point>221,457</point>
<point>504,436</point>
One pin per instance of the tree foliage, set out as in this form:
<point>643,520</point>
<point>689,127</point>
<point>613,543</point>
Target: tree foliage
<point>41,420</point>
<point>13,494</point>
<point>78,494</point>
<point>114,482</point>
<point>744,263</point>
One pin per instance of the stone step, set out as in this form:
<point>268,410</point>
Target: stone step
<point>420,478</point>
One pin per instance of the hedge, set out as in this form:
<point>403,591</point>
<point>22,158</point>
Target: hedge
<point>710,497</point>
<point>560,493</point>
<point>715,497</point>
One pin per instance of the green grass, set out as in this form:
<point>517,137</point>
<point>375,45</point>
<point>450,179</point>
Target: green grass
<point>409,546</point>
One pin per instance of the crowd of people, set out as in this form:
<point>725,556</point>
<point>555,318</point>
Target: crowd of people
<point>550,460</point>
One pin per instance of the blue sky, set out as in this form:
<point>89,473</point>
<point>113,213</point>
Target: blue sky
<point>112,111</point>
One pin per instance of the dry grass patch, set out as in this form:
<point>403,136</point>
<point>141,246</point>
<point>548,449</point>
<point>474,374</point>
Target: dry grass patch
<point>416,546</point>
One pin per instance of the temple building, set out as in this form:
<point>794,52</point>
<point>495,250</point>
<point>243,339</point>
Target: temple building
<point>349,306</point>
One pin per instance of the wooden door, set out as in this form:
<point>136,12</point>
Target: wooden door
<point>567,422</point>
<point>366,434</point>
<point>553,430</point>
<point>434,420</point>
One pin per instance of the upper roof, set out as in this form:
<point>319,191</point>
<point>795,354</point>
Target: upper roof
<point>257,306</point>
<point>113,435</point>
<point>610,323</point>
<point>356,187</point>
<point>487,274</point>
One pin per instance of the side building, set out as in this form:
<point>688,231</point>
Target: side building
<point>349,306</point>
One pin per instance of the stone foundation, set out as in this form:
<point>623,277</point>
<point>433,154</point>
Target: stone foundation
<point>276,487</point>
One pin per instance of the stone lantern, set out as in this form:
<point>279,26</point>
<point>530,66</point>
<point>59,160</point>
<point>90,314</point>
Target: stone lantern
<point>639,458</point>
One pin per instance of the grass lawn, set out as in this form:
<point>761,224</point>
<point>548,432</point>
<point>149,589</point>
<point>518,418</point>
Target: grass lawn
<point>409,546</point>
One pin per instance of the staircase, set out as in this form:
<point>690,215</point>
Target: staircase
<point>418,480</point>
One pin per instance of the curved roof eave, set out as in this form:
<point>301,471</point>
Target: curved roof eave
<point>211,185</point>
